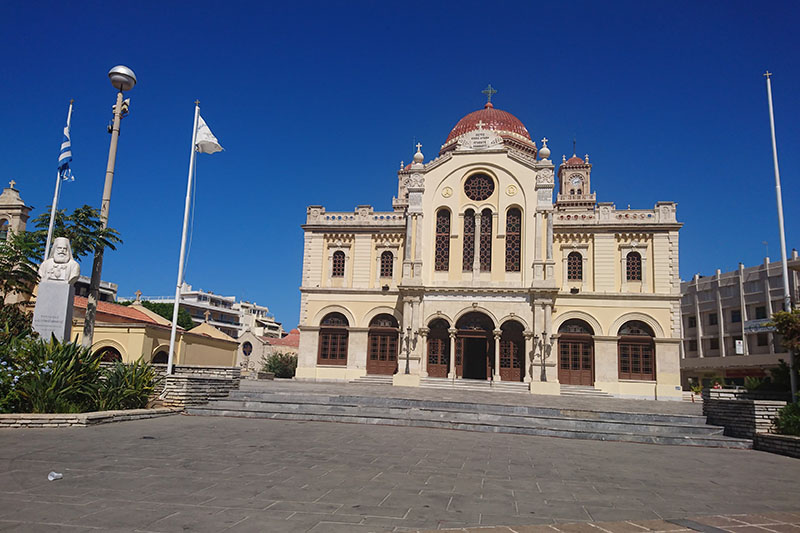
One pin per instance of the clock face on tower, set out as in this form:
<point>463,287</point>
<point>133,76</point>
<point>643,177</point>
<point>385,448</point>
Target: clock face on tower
<point>576,179</point>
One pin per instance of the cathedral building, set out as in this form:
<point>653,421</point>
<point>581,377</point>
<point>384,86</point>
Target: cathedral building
<point>495,265</point>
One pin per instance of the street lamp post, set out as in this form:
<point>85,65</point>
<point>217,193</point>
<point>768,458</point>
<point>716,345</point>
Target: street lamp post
<point>123,79</point>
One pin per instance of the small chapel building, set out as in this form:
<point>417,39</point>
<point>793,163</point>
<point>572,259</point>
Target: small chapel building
<point>484,270</point>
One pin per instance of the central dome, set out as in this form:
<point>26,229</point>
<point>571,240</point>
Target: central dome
<point>502,122</point>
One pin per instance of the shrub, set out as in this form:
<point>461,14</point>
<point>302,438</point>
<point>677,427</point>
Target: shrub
<point>283,365</point>
<point>788,421</point>
<point>126,386</point>
<point>752,383</point>
<point>54,377</point>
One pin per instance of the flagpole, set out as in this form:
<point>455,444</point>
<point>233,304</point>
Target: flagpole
<point>787,299</point>
<point>55,195</point>
<point>192,156</point>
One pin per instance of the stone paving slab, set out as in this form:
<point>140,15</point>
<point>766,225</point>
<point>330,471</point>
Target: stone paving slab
<point>208,474</point>
<point>500,398</point>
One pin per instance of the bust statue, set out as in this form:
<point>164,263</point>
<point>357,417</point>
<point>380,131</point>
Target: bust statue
<point>59,265</point>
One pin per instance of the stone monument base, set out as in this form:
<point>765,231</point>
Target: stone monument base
<point>53,312</point>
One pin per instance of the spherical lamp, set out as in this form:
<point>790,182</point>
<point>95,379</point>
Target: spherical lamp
<point>122,78</point>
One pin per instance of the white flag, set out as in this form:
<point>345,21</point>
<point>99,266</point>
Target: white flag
<point>206,142</point>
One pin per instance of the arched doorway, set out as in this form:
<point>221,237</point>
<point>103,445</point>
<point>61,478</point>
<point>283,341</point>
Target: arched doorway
<point>109,354</point>
<point>160,358</point>
<point>438,348</point>
<point>333,337</point>
<point>382,345</point>
<point>636,351</point>
<point>474,346</point>
<point>512,351</point>
<point>575,353</point>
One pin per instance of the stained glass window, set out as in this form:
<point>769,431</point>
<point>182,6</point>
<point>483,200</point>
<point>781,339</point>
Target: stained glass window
<point>469,240</point>
<point>486,240</point>
<point>513,240</point>
<point>337,270</point>
<point>574,266</point>
<point>387,261</point>
<point>442,262</point>
<point>634,266</point>
<point>479,187</point>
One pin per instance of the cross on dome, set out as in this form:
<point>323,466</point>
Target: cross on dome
<point>12,183</point>
<point>489,92</point>
<point>480,124</point>
<point>418,145</point>
<point>544,141</point>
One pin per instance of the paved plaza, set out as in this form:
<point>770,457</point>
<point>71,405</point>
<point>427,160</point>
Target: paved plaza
<point>191,473</point>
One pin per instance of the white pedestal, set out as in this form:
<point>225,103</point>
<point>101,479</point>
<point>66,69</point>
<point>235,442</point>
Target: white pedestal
<point>53,312</point>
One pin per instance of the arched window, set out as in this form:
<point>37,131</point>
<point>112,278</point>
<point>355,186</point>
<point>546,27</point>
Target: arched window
<point>337,268</point>
<point>513,239</point>
<point>442,240</point>
<point>574,266</point>
<point>387,264</point>
<point>486,240</point>
<point>160,358</point>
<point>109,354</point>
<point>469,240</point>
<point>382,345</point>
<point>634,266</point>
<point>333,340</point>
<point>636,351</point>
<point>479,187</point>
<point>3,229</point>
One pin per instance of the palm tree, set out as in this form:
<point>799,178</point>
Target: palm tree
<point>82,227</point>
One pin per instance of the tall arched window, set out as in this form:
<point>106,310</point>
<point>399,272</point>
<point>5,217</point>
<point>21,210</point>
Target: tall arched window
<point>387,263</point>
<point>513,239</point>
<point>574,266</point>
<point>3,229</point>
<point>486,240</point>
<point>337,269</point>
<point>634,266</point>
<point>636,351</point>
<point>469,240</point>
<point>333,340</point>
<point>442,262</point>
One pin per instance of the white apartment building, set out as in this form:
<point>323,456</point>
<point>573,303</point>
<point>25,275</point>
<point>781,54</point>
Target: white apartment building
<point>724,320</point>
<point>225,313</point>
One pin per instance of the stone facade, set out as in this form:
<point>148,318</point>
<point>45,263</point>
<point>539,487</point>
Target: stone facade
<point>477,273</point>
<point>741,416</point>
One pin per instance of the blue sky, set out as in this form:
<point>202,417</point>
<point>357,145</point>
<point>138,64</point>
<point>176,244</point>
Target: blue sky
<point>317,103</point>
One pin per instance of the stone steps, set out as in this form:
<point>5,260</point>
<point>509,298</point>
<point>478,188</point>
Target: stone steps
<point>527,420</point>
<point>583,391</point>
<point>373,379</point>
<point>474,385</point>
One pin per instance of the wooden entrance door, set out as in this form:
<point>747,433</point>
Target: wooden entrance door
<point>382,352</point>
<point>438,356</point>
<point>473,356</point>
<point>511,360</point>
<point>576,360</point>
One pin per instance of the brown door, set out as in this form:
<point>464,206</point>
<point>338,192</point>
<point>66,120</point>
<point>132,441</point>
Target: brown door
<point>575,360</point>
<point>382,352</point>
<point>438,357</point>
<point>510,360</point>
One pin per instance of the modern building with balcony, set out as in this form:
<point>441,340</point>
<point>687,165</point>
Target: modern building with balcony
<point>725,322</point>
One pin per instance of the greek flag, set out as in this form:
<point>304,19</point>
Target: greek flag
<point>65,157</point>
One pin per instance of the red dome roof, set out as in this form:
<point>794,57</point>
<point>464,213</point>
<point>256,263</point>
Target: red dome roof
<point>575,160</point>
<point>493,119</point>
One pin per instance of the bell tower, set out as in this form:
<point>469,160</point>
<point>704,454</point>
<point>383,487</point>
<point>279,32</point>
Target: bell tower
<point>574,179</point>
<point>13,211</point>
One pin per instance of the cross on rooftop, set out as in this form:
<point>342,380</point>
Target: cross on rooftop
<point>419,146</point>
<point>544,140</point>
<point>138,294</point>
<point>489,91</point>
<point>768,74</point>
<point>480,124</point>
<point>12,183</point>
<point>207,315</point>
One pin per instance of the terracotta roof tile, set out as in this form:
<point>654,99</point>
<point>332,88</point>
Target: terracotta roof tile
<point>115,311</point>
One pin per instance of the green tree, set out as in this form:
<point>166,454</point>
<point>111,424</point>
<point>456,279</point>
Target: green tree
<point>787,324</point>
<point>82,227</point>
<point>18,271</point>
<point>165,310</point>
